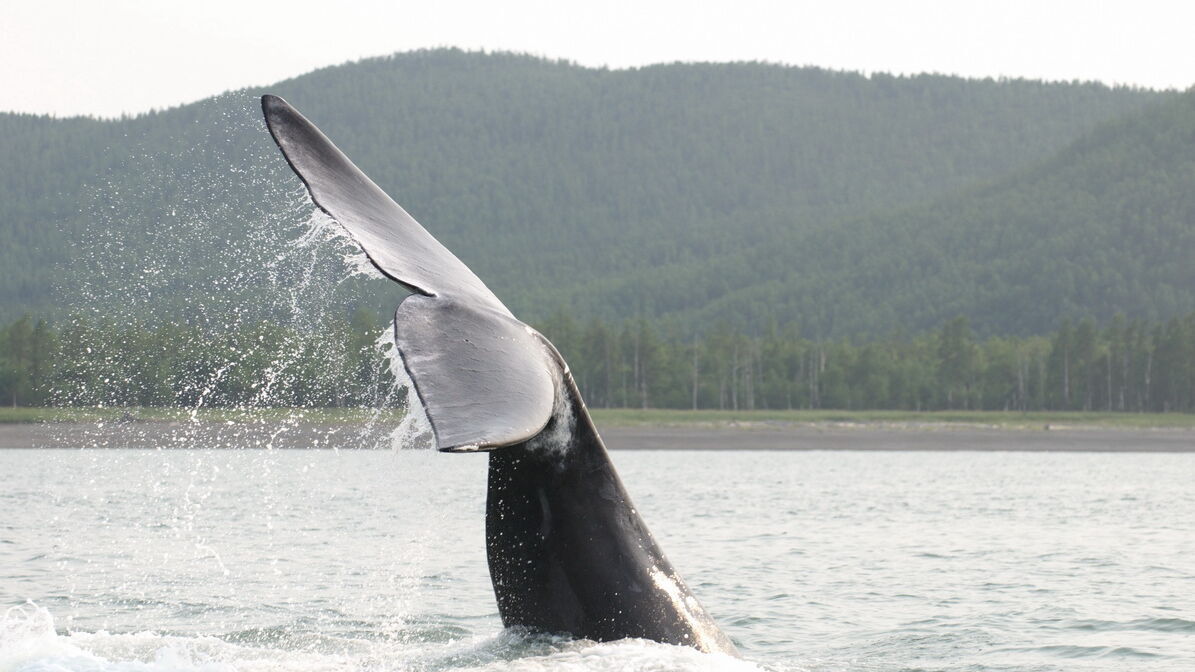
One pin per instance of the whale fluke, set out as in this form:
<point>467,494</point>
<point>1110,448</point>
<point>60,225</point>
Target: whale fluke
<point>567,550</point>
<point>396,244</point>
<point>482,376</point>
<point>485,378</point>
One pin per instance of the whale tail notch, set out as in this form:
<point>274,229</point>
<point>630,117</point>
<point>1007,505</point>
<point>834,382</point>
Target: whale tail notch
<point>486,379</point>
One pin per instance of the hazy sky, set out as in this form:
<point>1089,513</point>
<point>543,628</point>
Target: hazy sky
<point>111,56</point>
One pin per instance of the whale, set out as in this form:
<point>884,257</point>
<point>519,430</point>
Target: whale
<point>568,552</point>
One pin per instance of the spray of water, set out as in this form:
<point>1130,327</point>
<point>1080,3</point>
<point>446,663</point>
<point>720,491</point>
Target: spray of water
<point>214,253</point>
<point>415,430</point>
<point>205,281</point>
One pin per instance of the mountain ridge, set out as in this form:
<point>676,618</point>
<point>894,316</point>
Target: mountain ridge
<point>664,191</point>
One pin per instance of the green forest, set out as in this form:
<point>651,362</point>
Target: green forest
<point>1125,365</point>
<point>689,194</point>
<point>733,236</point>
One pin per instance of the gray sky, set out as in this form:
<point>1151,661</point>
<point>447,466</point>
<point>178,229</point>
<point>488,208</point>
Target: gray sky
<point>106,57</point>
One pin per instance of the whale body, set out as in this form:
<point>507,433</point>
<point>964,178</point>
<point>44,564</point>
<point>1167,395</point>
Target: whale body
<point>567,551</point>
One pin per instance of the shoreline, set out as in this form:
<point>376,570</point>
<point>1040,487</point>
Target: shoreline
<point>891,437</point>
<point>1032,421</point>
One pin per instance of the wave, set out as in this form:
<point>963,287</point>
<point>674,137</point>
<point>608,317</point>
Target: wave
<point>1140,624</point>
<point>30,643</point>
<point>1073,651</point>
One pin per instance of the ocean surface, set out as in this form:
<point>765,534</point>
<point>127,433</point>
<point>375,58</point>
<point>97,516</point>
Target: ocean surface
<point>322,560</point>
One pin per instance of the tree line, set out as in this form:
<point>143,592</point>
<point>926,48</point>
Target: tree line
<point>1124,365</point>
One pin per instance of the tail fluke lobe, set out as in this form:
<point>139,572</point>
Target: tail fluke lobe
<point>396,244</point>
<point>484,377</point>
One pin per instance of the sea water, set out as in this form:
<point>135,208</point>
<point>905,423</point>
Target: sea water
<point>313,560</point>
<point>232,555</point>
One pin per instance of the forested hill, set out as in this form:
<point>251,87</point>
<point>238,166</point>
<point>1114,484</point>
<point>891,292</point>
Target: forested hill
<point>1106,226</point>
<point>688,192</point>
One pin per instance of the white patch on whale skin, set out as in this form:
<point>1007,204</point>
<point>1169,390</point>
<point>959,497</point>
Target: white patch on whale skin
<point>687,606</point>
<point>557,435</point>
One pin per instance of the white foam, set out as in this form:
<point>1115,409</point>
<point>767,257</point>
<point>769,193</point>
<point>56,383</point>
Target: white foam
<point>627,654</point>
<point>27,636</point>
<point>28,643</point>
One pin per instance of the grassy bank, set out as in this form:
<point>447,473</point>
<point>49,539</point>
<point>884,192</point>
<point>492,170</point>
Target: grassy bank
<point>996,419</point>
<point>642,418</point>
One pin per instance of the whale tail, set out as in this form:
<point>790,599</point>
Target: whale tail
<point>486,379</point>
<point>567,550</point>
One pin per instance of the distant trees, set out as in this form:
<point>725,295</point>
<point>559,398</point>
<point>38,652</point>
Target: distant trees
<point>958,359</point>
<point>28,353</point>
<point>90,363</point>
<point>1125,366</point>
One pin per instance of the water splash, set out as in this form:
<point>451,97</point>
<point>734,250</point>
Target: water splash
<point>415,430</point>
<point>29,643</point>
<point>207,280</point>
<point>27,633</point>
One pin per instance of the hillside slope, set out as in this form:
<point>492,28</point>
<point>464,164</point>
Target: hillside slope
<point>1105,226</point>
<point>690,192</point>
